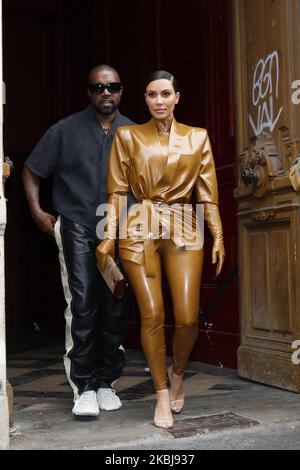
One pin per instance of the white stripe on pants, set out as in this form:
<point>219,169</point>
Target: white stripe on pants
<point>68,313</point>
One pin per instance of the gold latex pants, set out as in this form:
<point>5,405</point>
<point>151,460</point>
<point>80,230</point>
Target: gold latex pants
<point>183,269</point>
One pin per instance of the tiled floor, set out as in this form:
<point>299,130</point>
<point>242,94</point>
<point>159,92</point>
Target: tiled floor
<point>36,372</point>
<point>216,399</point>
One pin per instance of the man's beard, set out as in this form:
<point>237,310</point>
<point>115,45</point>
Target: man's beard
<point>106,111</point>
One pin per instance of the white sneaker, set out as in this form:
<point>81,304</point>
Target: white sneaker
<point>108,400</point>
<point>86,404</point>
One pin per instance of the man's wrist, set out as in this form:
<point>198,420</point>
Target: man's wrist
<point>36,209</point>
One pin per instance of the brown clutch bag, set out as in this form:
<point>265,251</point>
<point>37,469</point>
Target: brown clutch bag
<point>113,277</point>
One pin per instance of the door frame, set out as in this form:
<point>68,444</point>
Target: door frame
<point>4,415</point>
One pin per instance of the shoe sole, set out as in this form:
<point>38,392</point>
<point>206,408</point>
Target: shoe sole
<point>113,409</point>
<point>91,415</point>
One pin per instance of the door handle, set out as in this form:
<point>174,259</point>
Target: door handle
<point>249,176</point>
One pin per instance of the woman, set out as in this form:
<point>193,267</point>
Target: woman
<point>163,163</point>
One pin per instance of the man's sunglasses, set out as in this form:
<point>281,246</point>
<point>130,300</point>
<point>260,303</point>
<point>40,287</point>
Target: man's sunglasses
<point>98,88</point>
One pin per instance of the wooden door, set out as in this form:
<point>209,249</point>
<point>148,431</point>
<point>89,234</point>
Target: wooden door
<point>267,61</point>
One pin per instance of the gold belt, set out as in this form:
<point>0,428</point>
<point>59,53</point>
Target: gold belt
<point>149,250</point>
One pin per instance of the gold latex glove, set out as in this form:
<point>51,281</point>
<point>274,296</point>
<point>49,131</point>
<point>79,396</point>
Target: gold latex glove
<point>107,246</point>
<point>212,217</point>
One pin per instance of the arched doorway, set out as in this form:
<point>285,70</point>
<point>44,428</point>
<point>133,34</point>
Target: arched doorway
<point>56,46</point>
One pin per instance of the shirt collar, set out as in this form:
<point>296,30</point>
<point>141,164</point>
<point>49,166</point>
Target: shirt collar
<point>116,122</point>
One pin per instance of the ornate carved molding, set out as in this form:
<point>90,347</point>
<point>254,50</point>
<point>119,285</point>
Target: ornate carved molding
<point>291,147</point>
<point>259,163</point>
<point>263,216</point>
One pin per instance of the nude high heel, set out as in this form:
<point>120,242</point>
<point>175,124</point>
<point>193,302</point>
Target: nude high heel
<point>176,405</point>
<point>165,423</point>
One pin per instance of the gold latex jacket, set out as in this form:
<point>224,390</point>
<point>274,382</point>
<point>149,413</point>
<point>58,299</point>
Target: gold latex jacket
<point>162,179</point>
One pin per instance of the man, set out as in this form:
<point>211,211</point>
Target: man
<point>76,152</point>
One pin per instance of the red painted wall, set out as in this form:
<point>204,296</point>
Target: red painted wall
<point>48,50</point>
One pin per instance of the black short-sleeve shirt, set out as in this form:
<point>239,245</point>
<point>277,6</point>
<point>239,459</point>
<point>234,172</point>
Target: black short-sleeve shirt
<point>76,152</point>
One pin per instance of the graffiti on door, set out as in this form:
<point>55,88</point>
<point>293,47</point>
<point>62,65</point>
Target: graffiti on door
<point>265,94</point>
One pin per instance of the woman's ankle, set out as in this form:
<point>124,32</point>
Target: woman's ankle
<point>175,379</point>
<point>177,374</point>
<point>163,394</point>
